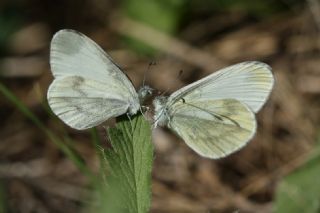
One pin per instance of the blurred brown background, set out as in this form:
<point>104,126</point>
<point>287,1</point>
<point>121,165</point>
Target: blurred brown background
<point>197,37</point>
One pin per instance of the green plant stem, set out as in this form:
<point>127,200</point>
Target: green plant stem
<point>68,151</point>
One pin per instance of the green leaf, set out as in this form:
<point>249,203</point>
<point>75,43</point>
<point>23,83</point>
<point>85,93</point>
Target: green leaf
<point>300,191</point>
<point>130,161</point>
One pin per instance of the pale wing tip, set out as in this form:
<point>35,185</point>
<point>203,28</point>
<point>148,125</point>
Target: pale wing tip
<point>64,44</point>
<point>266,67</point>
<point>66,32</point>
<point>257,63</point>
<point>268,70</point>
<point>64,35</point>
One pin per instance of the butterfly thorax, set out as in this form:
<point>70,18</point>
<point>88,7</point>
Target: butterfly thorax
<point>161,116</point>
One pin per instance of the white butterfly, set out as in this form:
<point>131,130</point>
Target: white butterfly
<point>215,116</point>
<point>89,87</point>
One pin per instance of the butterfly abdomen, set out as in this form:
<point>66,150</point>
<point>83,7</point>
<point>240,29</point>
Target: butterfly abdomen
<point>161,116</point>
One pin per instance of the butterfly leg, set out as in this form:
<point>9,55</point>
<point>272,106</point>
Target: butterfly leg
<point>128,115</point>
<point>144,109</point>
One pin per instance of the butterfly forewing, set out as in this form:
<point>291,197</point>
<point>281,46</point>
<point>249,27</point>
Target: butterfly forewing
<point>247,82</point>
<point>73,53</point>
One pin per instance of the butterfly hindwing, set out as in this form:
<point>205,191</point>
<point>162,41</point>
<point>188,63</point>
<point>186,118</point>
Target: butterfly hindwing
<point>213,128</point>
<point>83,103</point>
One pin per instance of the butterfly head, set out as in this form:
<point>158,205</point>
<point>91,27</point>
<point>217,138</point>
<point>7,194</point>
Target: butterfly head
<point>144,92</point>
<point>161,116</point>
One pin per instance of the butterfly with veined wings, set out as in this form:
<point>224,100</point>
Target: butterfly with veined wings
<point>89,87</point>
<point>215,115</point>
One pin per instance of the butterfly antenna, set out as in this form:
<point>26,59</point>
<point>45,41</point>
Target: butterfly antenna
<point>152,63</point>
